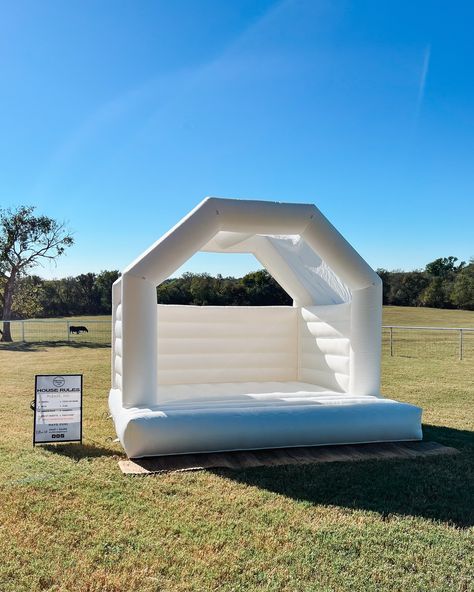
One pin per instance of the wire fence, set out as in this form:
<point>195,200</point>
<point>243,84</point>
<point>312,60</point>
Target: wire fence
<point>60,331</point>
<point>397,341</point>
<point>428,342</point>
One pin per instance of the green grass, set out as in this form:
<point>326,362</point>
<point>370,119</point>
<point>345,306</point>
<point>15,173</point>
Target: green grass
<point>54,330</point>
<point>427,317</point>
<point>70,521</point>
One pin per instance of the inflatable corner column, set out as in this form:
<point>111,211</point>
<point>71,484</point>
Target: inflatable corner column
<point>116,361</point>
<point>139,341</point>
<point>366,339</point>
<point>366,304</point>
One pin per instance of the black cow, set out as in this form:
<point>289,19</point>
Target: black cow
<point>78,329</point>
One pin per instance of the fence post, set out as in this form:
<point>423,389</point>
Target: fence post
<point>67,329</point>
<point>391,342</point>
<point>461,344</point>
<point>23,330</point>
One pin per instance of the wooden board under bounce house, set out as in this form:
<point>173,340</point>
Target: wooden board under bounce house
<point>284,456</point>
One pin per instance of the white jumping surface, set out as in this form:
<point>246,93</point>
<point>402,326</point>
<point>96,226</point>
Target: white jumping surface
<point>189,379</point>
<point>255,415</point>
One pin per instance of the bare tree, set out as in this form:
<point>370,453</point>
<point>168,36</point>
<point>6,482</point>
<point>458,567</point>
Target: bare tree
<point>26,241</point>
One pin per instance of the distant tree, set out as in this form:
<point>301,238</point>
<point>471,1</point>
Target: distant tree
<point>27,298</point>
<point>462,295</point>
<point>173,291</point>
<point>60,297</point>
<point>233,292</point>
<point>67,298</point>
<point>410,287</point>
<point>392,280</point>
<point>51,304</point>
<point>88,294</point>
<point>26,241</point>
<point>254,289</point>
<point>204,289</point>
<point>442,274</point>
<point>103,283</point>
<point>261,289</point>
<point>444,267</point>
<point>385,276</point>
<point>436,294</point>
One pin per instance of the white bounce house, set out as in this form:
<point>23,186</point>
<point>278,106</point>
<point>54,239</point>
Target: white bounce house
<point>188,379</point>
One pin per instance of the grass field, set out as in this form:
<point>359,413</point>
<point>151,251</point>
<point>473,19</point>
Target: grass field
<point>427,317</point>
<point>440,345</point>
<point>57,329</point>
<point>69,520</point>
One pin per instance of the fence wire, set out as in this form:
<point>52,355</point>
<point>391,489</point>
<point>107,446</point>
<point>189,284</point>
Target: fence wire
<point>59,330</point>
<point>397,341</point>
<point>428,342</point>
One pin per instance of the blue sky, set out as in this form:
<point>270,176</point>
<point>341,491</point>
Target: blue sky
<point>119,116</point>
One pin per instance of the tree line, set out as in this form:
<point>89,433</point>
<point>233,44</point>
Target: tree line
<point>91,294</point>
<point>444,283</point>
<point>257,288</point>
<point>84,294</point>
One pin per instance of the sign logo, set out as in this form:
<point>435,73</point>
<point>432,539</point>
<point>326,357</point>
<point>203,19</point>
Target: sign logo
<point>58,381</point>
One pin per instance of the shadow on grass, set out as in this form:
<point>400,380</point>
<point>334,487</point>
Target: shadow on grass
<point>38,346</point>
<point>77,451</point>
<point>436,488</point>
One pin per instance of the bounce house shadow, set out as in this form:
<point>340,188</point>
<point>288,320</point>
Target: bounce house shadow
<point>437,488</point>
<point>80,344</point>
<point>77,451</point>
<point>21,346</point>
<point>39,346</point>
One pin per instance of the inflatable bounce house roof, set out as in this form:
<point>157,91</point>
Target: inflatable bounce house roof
<point>189,379</point>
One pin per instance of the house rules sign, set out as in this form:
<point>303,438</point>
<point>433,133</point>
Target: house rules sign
<point>57,408</point>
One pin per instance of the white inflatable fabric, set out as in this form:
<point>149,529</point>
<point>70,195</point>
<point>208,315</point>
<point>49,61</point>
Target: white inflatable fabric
<point>198,379</point>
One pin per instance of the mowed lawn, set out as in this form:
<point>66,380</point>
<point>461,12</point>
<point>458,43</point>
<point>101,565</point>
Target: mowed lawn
<point>427,317</point>
<point>70,521</point>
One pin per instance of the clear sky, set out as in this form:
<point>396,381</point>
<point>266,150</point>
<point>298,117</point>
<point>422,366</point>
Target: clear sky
<point>118,116</point>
